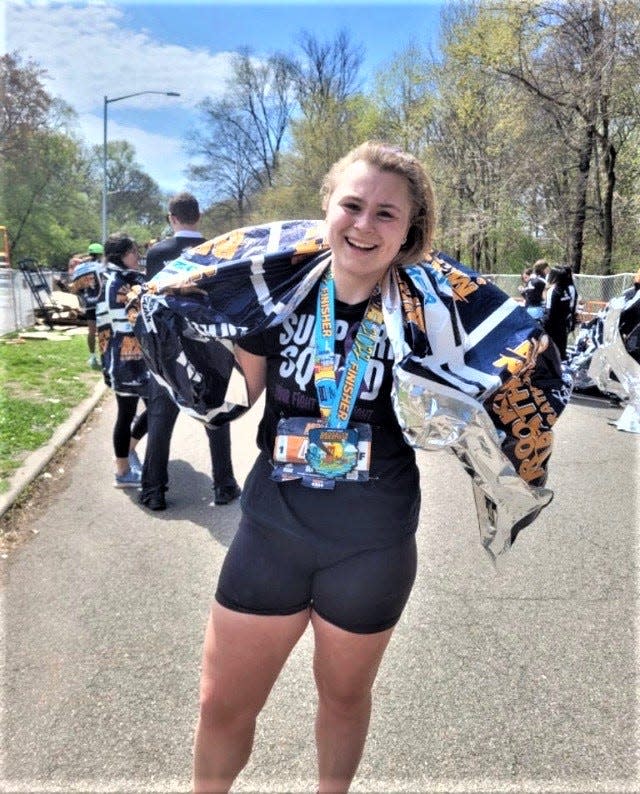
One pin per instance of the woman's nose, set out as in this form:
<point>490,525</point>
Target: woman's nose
<point>364,220</point>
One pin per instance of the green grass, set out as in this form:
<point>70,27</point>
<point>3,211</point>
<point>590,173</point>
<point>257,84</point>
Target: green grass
<point>41,381</point>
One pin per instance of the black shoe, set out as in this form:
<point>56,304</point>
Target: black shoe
<point>223,494</point>
<point>154,501</point>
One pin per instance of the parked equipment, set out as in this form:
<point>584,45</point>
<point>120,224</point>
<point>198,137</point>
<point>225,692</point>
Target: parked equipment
<point>48,308</point>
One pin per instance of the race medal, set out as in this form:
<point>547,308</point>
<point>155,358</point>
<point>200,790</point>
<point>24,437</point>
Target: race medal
<point>332,452</point>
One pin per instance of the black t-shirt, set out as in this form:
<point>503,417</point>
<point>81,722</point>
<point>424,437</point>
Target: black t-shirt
<point>358,514</point>
<point>166,251</point>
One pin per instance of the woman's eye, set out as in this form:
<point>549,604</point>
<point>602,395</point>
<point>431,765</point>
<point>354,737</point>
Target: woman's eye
<point>352,206</point>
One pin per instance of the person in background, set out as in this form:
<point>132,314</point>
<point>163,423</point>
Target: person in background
<point>533,290</point>
<point>123,366</point>
<point>630,293</point>
<point>629,325</point>
<point>573,299</point>
<point>561,302</point>
<point>524,278</point>
<point>86,278</point>
<point>162,412</point>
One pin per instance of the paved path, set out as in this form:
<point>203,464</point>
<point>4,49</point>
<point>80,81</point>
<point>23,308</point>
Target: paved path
<point>522,681</point>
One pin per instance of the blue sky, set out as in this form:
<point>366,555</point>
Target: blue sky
<point>96,49</point>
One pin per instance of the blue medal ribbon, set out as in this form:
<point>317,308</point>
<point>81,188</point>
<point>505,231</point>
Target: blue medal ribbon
<point>337,403</point>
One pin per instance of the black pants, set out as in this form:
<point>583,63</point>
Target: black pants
<point>125,427</point>
<point>162,413</point>
<point>558,330</point>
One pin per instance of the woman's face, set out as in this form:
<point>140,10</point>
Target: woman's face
<point>131,258</point>
<point>368,217</point>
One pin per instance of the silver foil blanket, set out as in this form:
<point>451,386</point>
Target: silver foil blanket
<point>613,368</point>
<point>435,417</point>
<point>474,373</point>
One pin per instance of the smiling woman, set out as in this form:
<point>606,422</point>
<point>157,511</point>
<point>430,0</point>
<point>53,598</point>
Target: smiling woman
<point>367,345</point>
<point>328,401</point>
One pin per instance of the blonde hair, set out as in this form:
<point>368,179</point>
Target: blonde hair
<point>540,266</point>
<point>389,158</point>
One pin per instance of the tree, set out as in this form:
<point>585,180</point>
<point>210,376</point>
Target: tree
<point>24,104</point>
<point>332,116</point>
<point>135,201</point>
<point>242,134</point>
<point>43,197</point>
<point>44,204</point>
<point>476,133</point>
<point>326,82</point>
<point>405,95</point>
<point>579,61</point>
<point>327,71</point>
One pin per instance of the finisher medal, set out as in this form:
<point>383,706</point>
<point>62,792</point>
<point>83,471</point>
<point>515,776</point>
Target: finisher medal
<point>332,452</point>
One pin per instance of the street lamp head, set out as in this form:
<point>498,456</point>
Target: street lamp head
<point>110,100</point>
<point>107,102</point>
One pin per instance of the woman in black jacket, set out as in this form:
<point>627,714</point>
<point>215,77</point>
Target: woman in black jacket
<point>123,366</point>
<point>561,302</point>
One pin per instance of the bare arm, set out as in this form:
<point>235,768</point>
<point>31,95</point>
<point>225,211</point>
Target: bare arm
<point>254,369</point>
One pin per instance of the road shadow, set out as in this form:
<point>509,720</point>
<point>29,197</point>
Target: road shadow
<point>595,399</point>
<point>190,498</point>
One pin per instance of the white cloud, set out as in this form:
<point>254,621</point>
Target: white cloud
<point>162,157</point>
<point>89,53</point>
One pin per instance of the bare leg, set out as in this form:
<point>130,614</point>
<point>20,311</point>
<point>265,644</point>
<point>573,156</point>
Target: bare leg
<point>242,658</point>
<point>122,466</point>
<point>91,336</point>
<point>345,667</point>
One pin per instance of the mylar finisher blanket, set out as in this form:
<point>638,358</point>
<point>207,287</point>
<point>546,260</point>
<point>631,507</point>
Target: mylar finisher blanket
<point>473,372</point>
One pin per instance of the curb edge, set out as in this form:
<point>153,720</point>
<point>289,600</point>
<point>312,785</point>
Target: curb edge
<point>37,461</point>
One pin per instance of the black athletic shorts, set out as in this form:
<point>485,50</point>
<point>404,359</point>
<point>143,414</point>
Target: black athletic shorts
<point>269,572</point>
<point>90,314</point>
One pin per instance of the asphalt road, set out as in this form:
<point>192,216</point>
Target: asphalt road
<point>521,680</point>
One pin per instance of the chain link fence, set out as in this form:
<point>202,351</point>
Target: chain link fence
<point>590,288</point>
<point>594,292</point>
<point>16,302</point>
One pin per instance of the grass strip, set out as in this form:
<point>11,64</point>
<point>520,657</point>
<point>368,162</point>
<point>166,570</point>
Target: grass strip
<point>41,381</point>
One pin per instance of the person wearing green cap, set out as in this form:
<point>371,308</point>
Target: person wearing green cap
<point>86,283</point>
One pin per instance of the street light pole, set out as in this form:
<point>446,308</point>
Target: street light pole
<point>107,101</point>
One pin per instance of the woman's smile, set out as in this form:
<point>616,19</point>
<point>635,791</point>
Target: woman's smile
<point>360,246</point>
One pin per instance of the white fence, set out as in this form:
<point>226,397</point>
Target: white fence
<point>17,302</point>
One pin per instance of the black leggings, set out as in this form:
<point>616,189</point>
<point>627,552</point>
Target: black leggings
<point>125,427</point>
<point>271,572</point>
